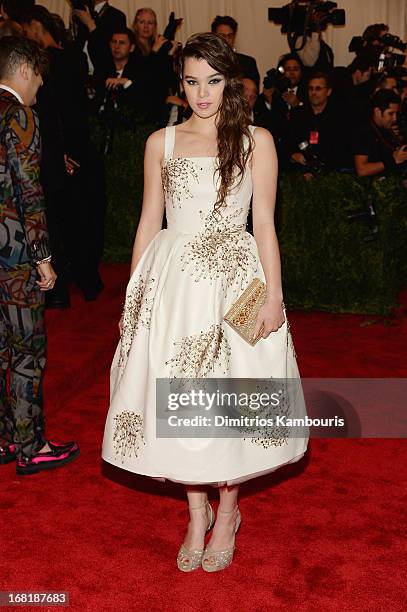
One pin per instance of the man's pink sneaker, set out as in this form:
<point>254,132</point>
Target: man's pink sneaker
<point>59,455</point>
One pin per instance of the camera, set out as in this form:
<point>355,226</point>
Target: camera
<point>389,40</point>
<point>315,163</point>
<point>275,79</point>
<point>171,27</point>
<point>170,31</point>
<point>303,16</point>
<point>377,50</point>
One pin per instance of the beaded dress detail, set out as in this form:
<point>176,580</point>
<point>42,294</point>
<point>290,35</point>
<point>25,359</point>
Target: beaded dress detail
<point>186,280</point>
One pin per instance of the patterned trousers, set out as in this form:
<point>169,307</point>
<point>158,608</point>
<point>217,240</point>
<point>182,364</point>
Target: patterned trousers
<point>22,360</point>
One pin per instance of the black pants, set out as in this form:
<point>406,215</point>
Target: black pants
<point>85,217</point>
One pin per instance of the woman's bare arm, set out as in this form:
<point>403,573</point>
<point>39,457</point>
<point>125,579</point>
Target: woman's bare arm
<point>153,197</point>
<point>264,175</point>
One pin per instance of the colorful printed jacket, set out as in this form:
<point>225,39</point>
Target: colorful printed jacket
<point>23,228</point>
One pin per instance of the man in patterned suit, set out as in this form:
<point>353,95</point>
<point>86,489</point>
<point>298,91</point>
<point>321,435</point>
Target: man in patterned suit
<point>24,256</point>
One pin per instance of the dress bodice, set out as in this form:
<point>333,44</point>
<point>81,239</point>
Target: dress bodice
<point>190,187</point>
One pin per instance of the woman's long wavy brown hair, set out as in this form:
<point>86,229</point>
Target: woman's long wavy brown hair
<point>233,116</point>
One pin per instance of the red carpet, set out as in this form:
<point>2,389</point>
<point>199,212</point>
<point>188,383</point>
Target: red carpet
<point>326,534</point>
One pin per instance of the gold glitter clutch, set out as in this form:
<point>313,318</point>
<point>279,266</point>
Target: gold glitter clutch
<point>243,313</point>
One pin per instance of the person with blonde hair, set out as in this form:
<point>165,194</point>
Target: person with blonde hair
<point>158,65</point>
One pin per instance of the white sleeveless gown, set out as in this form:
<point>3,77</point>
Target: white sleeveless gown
<point>186,280</point>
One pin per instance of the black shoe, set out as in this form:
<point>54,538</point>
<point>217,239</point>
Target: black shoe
<point>7,454</point>
<point>59,455</point>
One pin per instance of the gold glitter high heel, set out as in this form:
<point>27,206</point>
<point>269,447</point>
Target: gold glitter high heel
<point>216,560</point>
<point>189,560</point>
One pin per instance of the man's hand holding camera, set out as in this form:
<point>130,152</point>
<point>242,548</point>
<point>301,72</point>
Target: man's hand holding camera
<point>85,17</point>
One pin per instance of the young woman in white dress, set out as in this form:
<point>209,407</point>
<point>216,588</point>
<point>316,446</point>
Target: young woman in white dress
<point>183,280</point>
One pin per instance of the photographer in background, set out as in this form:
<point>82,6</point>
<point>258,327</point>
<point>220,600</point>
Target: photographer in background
<point>117,77</point>
<point>347,81</point>
<point>318,136</point>
<point>384,51</point>
<point>283,91</point>
<point>95,20</point>
<point>304,21</point>
<point>376,147</point>
<point>352,87</point>
<point>370,45</point>
<point>227,28</point>
<point>296,93</point>
<point>312,50</point>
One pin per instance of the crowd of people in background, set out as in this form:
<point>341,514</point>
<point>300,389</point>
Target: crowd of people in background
<point>323,117</point>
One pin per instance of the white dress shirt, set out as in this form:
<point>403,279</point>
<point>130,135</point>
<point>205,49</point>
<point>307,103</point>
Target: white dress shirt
<point>12,91</point>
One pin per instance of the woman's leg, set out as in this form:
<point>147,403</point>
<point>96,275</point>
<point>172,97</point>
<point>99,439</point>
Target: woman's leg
<point>198,517</point>
<point>223,535</point>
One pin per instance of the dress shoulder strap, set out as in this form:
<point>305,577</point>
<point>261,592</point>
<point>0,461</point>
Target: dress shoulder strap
<point>251,130</point>
<point>169,141</point>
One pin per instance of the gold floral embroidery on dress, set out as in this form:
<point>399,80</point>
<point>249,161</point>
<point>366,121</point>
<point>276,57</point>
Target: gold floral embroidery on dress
<point>128,434</point>
<point>175,173</point>
<point>269,435</point>
<point>137,312</point>
<point>199,354</point>
<point>221,251</point>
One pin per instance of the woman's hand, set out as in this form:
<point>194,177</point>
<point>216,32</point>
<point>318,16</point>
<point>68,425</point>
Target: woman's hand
<point>121,325</point>
<point>174,47</point>
<point>158,43</point>
<point>269,318</point>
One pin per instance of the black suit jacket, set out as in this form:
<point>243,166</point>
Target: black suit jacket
<point>248,68</point>
<point>107,21</point>
<point>67,77</point>
<point>53,174</point>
